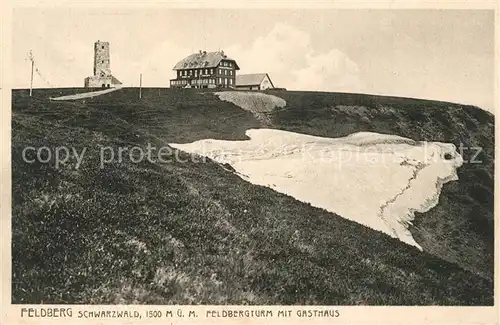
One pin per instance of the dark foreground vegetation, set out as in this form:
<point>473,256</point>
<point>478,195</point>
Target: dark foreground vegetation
<point>195,233</point>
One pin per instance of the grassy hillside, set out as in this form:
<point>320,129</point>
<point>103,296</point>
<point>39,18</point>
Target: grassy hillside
<point>460,228</point>
<point>193,232</point>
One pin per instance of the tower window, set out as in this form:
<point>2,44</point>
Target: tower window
<point>103,47</point>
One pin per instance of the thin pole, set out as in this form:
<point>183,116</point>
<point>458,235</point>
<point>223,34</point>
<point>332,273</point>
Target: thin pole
<point>31,83</point>
<point>140,86</point>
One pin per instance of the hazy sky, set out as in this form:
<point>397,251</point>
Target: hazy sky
<point>433,54</point>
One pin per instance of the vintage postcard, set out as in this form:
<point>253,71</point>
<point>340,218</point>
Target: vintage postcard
<point>205,163</point>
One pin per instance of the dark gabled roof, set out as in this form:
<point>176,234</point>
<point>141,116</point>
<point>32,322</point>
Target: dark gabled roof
<point>203,60</point>
<point>253,79</point>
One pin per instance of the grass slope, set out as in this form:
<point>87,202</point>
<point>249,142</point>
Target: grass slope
<point>460,228</point>
<point>188,233</point>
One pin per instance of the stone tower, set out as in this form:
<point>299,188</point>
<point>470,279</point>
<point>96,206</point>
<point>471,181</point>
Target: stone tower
<point>102,77</point>
<point>102,66</point>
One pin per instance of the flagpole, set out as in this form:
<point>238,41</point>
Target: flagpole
<point>32,66</point>
<point>140,86</point>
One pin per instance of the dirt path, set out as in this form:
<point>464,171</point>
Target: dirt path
<point>85,95</point>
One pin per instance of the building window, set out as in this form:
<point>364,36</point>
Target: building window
<point>230,72</point>
<point>230,81</point>
<point>211,71</point>
<point>220,71</point>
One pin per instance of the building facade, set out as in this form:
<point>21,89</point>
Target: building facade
<point>102,77</point>
<point>205,70</point>
<point>256,81</point>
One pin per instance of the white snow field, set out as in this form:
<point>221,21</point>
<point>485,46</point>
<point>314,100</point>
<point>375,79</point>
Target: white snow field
<point>257,103</point>
<point>252,101</point>
<point>377,180</point>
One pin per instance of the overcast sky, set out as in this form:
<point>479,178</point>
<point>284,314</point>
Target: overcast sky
<point>432,54</point>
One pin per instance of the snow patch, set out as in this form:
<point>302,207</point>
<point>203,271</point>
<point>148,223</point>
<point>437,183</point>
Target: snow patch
<point>377,180</point>
<point>257,103</point>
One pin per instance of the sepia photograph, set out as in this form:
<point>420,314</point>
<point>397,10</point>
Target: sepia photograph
<point>252,157</point>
